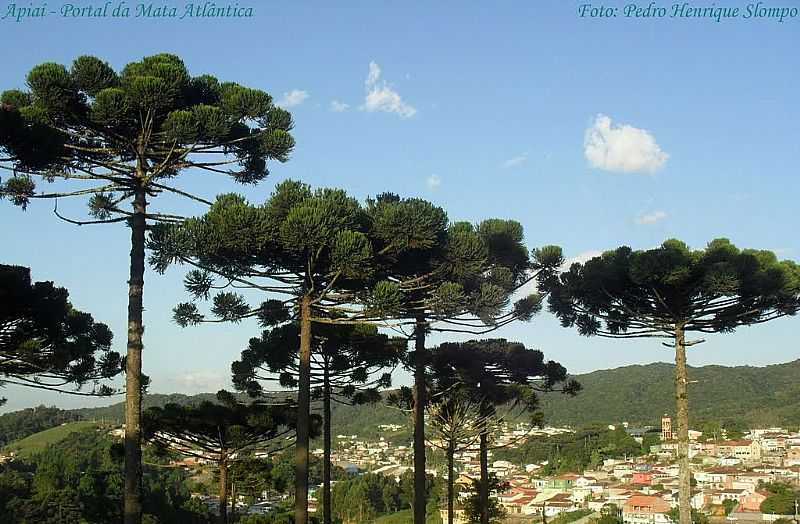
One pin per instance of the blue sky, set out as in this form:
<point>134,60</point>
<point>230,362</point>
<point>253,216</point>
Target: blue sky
<point>488,110</point>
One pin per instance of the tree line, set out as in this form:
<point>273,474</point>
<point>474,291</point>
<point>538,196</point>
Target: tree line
<point>323,272</point>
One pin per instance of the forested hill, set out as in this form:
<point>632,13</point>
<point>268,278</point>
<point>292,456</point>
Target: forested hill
<point>362,420</point>
<point>754,396</point>
<point>757,396</point>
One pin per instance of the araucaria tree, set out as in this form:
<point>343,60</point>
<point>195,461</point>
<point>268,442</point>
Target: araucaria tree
<point>448,277</point>
<point>456,426</point>
<point>45,343</point>
<point>668,292</point>
<point>503,378</point>
<point>348,366</point>
<point>309,248</point>
<point>124,138</point>
<point>222,433</point>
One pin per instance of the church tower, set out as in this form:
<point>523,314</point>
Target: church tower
<point>666,428</point>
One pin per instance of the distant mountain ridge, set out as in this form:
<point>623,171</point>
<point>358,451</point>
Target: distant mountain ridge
<point>637,394</point>
<point>640,394</point>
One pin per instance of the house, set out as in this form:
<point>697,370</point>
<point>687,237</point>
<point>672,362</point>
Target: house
<point>502,468</point>
<point>553,505</point>
<point>729,461</point>
<point>618,497</point>
<point>518,501</point>
<point>715,478</point>
<point>747,450</point>
<point>597,504</point>
<point>749,478</point>
<point>642,477</point>
<point>562,482</point>
<point>793,456</point>
<point>623,469</point>
<point>718,496</point>
<point>752,501</point>
<point>644,509</point>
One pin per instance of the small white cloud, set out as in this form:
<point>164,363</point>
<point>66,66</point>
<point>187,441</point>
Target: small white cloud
<point>339,107</point>
<point>433,182</point>
<point>201,381</point>
<point>581,258</point>
<point>516,161</point>
<point>651,218</point>
<point>622,148</point>
<point>381,97</point>
<point>373,76</point>
<point>295,97</point>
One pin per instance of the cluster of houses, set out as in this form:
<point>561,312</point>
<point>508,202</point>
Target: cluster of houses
<point>356,454</point>
<point>726,473</point>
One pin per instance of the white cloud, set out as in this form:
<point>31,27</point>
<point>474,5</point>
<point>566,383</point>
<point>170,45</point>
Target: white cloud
<point>622,148</point>
<point>433,182</point>
<point>339,107</point>
<point>381,97</point>
<point>581,258</point>
<point>373,75</point>
<point>516,161</point>
<point>651,218</point>
<point>295,97</point>
<point>201,381</point>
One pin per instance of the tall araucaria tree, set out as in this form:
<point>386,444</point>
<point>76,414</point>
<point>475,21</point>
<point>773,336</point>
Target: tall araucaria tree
<point>448,277</point>
<point>310,248</point>
<point>118,138</point>
<point>504,379</point>
<point>45,343</point>
<point>348,366</point>
<point>221,432</point>
<point>668,292</point>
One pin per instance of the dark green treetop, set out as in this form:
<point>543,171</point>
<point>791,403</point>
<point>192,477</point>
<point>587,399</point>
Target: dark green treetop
<point>46,343</point>
<point>498,373</point>
<point>353,355</point>
<point>458,274</point>
<point>298,243</point>
<point>626,293</point>
<point>217,430</point>
<point>136,128</point>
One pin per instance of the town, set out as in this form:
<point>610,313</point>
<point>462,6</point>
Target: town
<point>730,477</point>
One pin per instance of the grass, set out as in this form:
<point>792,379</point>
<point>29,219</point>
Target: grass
<point>406,517</point>
<point>35,443</point>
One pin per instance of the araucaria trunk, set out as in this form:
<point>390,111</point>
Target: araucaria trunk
<point>133,378</point>
<point>303,409</point>
<point>682,405</point>
<point>223,491</point>
<point>451,491</point>
<point>484,483</point>
<point>420,399</point>
<point>326,445</point>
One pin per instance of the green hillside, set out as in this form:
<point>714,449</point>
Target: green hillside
<point>20,424</point>
<point>755,396</point>
<point>38,441</point>
<point>758,396</point>
<point>361,420</point>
